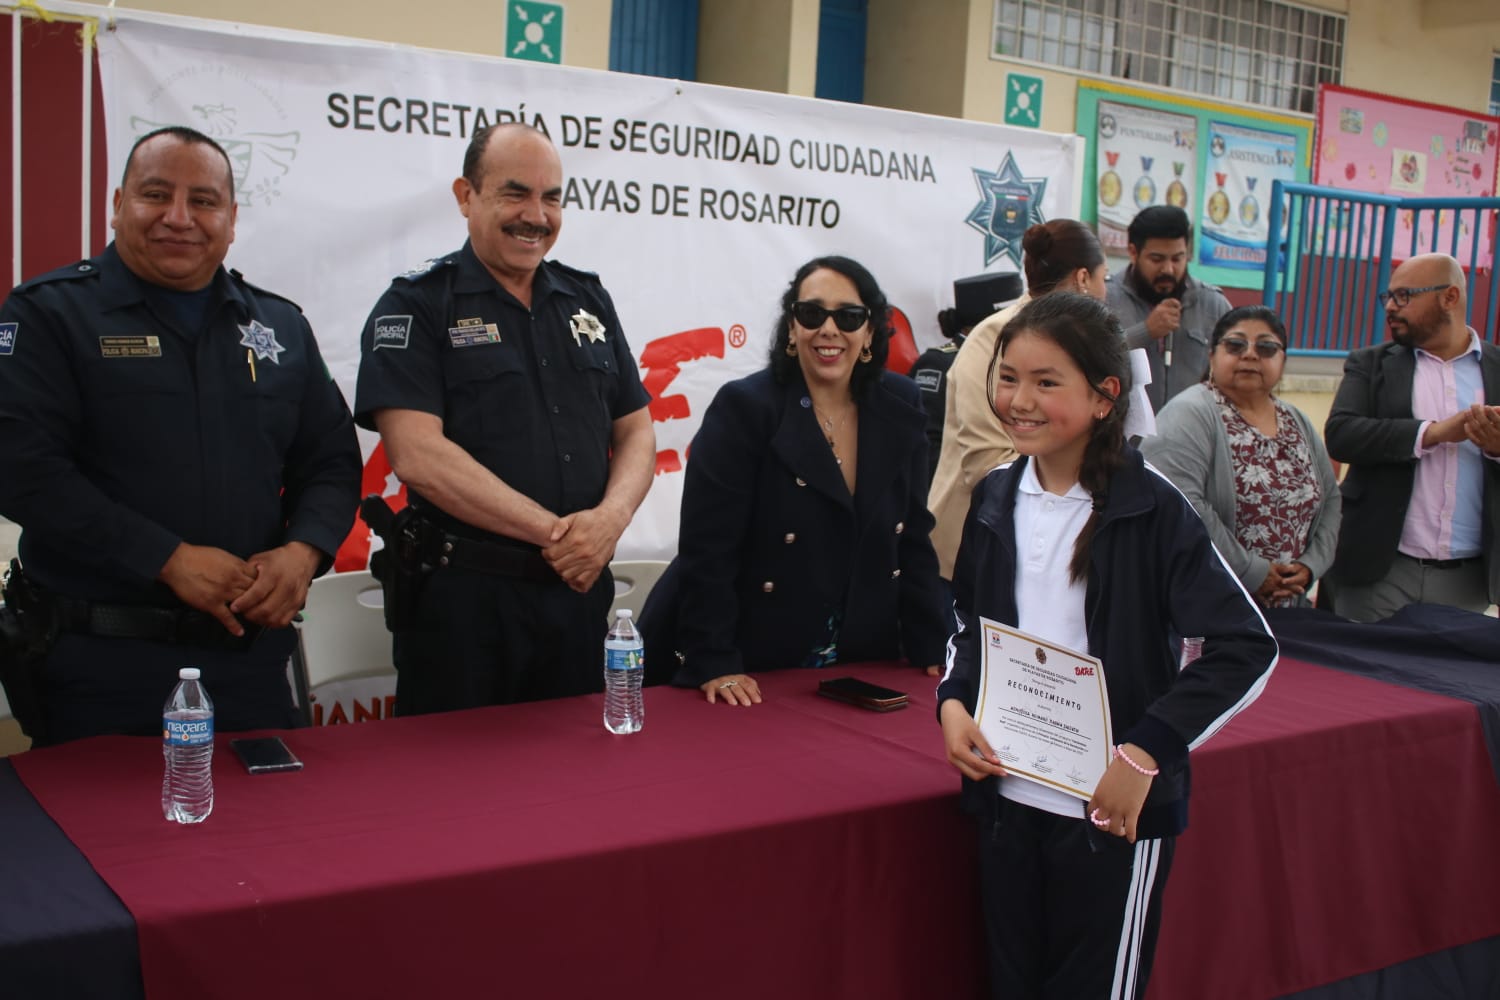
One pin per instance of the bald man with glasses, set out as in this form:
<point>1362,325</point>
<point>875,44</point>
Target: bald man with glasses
<point>1417,420</point>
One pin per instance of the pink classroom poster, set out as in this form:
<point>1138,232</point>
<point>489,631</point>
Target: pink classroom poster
<point>1386,145</point>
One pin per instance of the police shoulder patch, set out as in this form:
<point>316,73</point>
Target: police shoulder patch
<point>928,379</point>
<point>8,333</point>
<point>391,332</point>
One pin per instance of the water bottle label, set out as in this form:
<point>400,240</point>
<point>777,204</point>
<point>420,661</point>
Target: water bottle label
<point>187,732</point>
<point>624,659</point>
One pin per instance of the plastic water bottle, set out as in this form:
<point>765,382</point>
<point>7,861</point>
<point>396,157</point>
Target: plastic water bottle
<point>187,736</point>
<point>1192,648</point>
<point>624,669</point>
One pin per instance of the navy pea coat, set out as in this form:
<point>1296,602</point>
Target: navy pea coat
<point>772,543</point>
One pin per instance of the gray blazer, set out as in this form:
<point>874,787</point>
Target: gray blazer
<point>1191,449</point>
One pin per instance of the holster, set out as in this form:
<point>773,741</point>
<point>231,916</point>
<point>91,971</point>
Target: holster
<point>28,630</point>
<point>400,566</point>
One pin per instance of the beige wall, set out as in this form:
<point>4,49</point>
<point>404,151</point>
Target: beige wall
<point>460,25</point>
<point>1393,49</point>
<point>914,55</point>
<point>759,44</point>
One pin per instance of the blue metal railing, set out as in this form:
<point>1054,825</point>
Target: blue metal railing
<point>1338,251</point>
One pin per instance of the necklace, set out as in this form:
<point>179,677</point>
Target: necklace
<point>829,430</point>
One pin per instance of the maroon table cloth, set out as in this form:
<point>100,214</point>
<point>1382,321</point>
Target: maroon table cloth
<point>802,848</point>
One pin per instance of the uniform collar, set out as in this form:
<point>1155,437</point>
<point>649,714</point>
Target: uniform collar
<point>1031,484</point>
<point>1130,491</point>
<point>119,286</point>
<point>474,278</point>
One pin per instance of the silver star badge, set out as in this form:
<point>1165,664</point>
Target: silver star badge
<point>586,324</point>
<point>262,340</point>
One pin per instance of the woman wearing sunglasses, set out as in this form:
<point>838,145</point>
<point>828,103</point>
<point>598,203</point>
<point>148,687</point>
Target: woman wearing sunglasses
<point>1251,464</point>
<point>804,531</point>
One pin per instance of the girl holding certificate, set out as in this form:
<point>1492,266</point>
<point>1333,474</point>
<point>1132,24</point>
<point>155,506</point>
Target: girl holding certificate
<point>1080,546</point>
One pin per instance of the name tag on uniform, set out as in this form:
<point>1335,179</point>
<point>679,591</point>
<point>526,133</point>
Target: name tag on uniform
<point>470,332</point>
<point>130,347</point>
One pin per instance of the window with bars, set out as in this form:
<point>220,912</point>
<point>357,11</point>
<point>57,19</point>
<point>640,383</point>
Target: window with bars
<point>1255,51</point>
<point>1495,86</point>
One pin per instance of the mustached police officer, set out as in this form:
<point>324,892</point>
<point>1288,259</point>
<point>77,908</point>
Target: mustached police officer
<point>178,458</point>
<point>510,406</point>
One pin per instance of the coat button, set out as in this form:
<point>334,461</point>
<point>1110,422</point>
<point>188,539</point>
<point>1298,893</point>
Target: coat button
<point>801,481</point>
<point>768,586</point>
<point>895,573</point>
<point>791,536</point>
<point>900,527</point>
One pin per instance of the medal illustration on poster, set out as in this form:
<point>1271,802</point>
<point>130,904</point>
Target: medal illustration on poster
<point>1177,191</point>
<point>1218,202</point>
<point>1244,161</point>
<point>1110,187</point>
<point>1133,141</point>
<point>1145,188</point>
<point>1249,207</point>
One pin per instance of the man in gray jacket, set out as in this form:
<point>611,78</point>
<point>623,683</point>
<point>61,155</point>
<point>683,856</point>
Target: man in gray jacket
<point>1164,309</point>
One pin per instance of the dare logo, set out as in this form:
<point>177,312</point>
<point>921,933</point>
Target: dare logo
<point>1083,671</point>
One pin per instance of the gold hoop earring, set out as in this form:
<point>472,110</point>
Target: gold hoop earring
<point>791,349</point>
<point>865,355</point>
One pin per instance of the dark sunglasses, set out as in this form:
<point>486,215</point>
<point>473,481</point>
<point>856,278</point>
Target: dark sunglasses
<point>1238,345</point>
<point>811,316</point>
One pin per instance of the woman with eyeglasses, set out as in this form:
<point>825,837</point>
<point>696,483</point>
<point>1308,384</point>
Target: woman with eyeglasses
<point>1251,464</point>
<point>804,528</point>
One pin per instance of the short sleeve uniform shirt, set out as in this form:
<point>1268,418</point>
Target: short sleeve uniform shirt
<point>532,394</point>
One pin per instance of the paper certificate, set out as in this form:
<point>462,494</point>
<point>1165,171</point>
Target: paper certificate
<point>1044,710</point>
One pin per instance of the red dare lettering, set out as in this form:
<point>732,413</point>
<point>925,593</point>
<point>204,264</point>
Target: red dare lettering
<point>1083,671</point>
<point>662,361</point>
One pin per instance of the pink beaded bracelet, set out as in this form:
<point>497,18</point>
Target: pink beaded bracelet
<point>1120,753</point>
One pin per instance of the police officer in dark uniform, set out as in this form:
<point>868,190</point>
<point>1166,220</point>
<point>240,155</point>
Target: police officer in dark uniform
<point>973,299</point>
<point>177,456</point>
<point>510,406</point>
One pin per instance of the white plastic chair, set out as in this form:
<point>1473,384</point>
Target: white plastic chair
<point>342,635</point>
<point>633,582</point>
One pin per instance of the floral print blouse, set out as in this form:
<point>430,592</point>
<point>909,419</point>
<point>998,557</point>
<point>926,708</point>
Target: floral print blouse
<point>1276,494</point>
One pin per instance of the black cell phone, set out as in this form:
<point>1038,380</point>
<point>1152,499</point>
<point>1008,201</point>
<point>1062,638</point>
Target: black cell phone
<point>862,693</point>
<point>263,754</point>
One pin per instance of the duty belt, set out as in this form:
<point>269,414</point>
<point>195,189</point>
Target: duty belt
<point>492,558</point>
<point>184,626</point>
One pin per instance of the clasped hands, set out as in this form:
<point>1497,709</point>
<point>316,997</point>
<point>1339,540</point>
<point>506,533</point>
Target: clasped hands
<point>267,589</point>
<point>1283,580</point>
<point>581,544</point>
<point>1478,423</point>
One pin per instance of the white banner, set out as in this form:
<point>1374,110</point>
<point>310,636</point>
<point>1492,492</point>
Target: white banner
<point>694,203</point>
